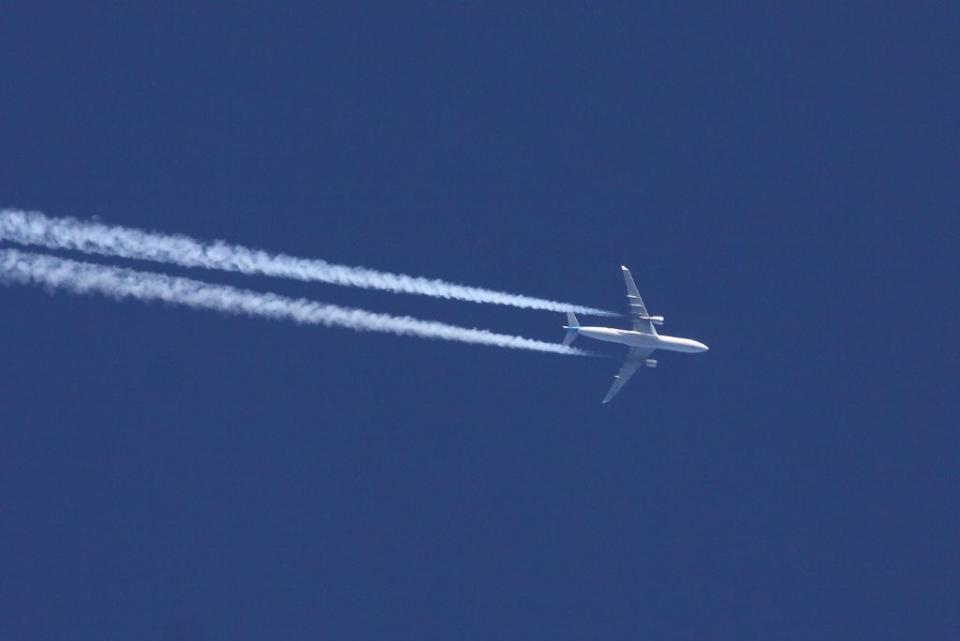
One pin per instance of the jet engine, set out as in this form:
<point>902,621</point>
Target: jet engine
<point>656,320</point>
<point>650,362</point>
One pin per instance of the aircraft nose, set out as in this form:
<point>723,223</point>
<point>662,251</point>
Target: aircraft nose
<point>703,347</point>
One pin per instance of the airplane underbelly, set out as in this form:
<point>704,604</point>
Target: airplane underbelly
<point>634,339</point>
<point>623,337</point>
<point>673,344</point>
<point>602,334</point>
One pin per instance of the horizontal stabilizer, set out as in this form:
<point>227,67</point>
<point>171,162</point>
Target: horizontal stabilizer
<point>572,327</point>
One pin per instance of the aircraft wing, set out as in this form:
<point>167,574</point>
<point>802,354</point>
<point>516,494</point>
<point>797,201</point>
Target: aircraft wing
<point>638,311</point>
<point>635,358</point>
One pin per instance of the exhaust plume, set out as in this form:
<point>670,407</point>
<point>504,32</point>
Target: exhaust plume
<point>35,228</point>
<point>115,282</point>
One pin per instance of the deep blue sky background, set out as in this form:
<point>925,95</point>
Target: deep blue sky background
<point>781,179</point>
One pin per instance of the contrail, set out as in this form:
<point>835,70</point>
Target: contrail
<point>35,228</point>
<point>115,282</point>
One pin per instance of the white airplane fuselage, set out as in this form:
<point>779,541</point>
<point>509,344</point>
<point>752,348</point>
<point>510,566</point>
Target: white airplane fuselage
<point>640,339</point>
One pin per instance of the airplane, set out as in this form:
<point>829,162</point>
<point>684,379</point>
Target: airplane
<point>642,340</point>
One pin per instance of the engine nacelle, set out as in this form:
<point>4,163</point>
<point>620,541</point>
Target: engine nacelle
<point>656,320</point>
<point>650,362</point>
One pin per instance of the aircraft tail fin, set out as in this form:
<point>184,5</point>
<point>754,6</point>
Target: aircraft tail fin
<point>572,327</point>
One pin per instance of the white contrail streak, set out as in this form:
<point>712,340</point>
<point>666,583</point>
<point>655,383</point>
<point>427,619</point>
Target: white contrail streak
<point>35,228</point>
<point>87,278</point>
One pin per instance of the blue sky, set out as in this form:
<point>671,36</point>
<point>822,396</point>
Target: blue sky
<point>780,179</point>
